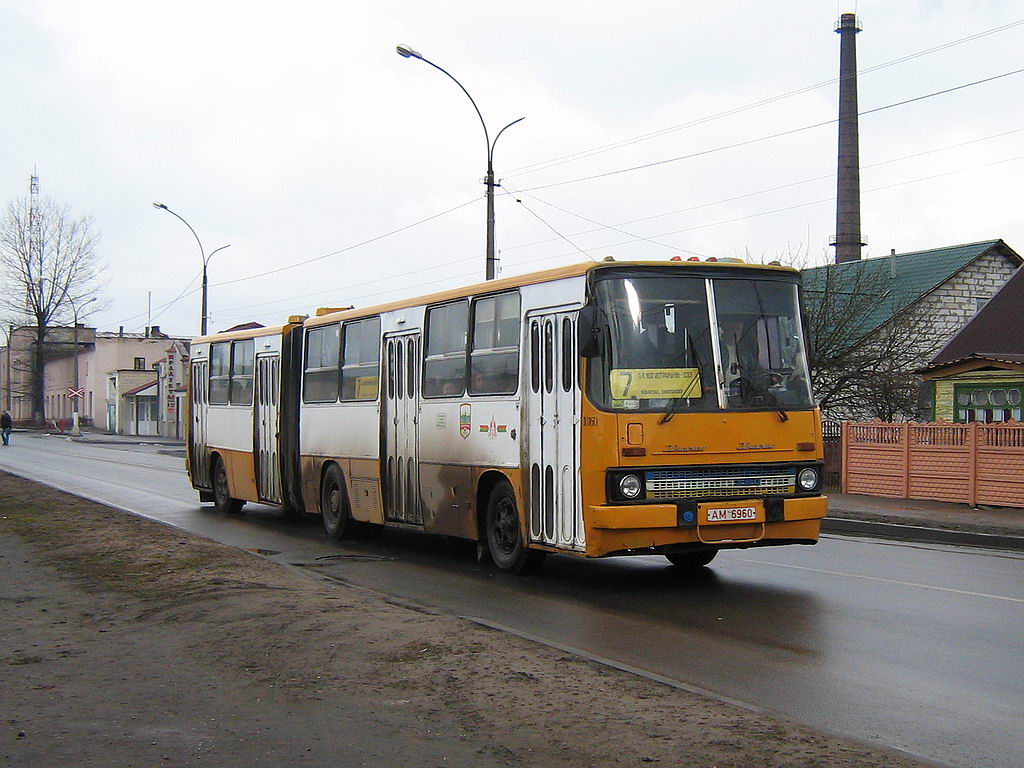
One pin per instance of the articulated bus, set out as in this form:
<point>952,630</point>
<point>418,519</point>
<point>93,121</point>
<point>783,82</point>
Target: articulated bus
<point>609,408</point>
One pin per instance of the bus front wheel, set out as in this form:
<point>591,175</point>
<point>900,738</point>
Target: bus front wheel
<point>334,503</point>
<point>505,540</point>
<point>221,493</point>
<point>692,561</point>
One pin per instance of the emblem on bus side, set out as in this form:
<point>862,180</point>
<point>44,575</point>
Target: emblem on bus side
<point>465,420</point>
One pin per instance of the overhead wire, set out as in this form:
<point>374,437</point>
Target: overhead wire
<point>830,199</point>
<point>633,237</point>
<point>562,160</point>
<point>755,193</point>
<point>768,137</point>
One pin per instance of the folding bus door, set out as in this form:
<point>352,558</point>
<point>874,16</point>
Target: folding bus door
<point>553,434</point>
<point>198,450</point>
<point>265,433</point>
<point>401,423</point>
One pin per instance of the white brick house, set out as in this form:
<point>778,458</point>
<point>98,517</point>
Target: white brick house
<point>899,309</point>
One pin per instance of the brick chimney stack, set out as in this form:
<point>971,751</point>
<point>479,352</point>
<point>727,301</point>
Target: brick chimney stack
<point>848,240</point>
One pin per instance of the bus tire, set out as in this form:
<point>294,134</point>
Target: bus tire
<point>221,491</point>
<point>334,503</point>
<point>505,540</point>
<point>692,561</point>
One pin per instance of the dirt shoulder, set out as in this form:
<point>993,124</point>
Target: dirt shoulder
<point>128,643</point>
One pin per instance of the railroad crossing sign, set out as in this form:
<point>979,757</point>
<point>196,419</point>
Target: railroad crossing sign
<point>72,392</point>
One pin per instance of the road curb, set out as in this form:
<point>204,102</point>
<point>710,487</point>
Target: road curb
<point>922,534</point>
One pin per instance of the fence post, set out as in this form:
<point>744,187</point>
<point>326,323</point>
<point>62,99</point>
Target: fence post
<point>972,457</point>
<point>844,447</point>
<point>905,436</point>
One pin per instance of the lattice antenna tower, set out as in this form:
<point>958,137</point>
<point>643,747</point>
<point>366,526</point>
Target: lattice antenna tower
<point>35,238</point>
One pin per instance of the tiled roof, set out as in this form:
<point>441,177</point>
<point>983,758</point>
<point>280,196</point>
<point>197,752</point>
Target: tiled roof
<point>996,332</point>
<point>901,279</point>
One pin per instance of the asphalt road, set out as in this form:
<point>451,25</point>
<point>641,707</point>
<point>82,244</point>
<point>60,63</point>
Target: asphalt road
<point>913,647</point>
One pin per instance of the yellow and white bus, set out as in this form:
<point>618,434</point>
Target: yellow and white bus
<point>609,408</point>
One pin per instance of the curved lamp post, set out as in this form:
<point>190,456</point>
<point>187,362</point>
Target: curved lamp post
<point>75,397</point>
<point>206,259</point>
<point>492,260</point>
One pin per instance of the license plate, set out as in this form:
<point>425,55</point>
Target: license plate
<point>731,514</point>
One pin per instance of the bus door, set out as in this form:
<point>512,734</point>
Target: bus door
<point>400,428</point>
<point>553,432</point>
<point>265,434</point>
<point>198,450</point>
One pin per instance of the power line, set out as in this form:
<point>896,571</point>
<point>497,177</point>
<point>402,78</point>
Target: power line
<point>830,199</point>
<point>562,160</point>
<point>759,139</point>
<point>347,248</point>
<point>756,193</point>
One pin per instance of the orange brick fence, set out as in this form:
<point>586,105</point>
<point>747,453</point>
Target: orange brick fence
<point>966,463</point>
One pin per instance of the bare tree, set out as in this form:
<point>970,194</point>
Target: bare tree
<point>50,264</point>
<point>867,342</point>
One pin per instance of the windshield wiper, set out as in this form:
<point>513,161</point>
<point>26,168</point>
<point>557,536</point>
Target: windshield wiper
<point>673,409</point>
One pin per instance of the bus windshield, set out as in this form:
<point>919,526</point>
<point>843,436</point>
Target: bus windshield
<point>672,343</point>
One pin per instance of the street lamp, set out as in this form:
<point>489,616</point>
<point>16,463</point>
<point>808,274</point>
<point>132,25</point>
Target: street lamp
<point>75,396</point>
<point>206,259</point>
<point>406,52</point>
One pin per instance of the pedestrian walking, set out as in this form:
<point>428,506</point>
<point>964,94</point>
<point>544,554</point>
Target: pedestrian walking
<point>5,427</point>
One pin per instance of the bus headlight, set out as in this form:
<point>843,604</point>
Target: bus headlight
<point>630,486</point>
<point>808,478</point>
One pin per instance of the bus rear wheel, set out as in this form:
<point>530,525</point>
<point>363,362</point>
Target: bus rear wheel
<point>692,561</point>
<point>334,503</point>
<point>221,493</point>
<point>505,540</point>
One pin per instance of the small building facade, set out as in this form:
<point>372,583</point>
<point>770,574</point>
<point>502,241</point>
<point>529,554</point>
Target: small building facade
<point>979,375</point>
<point>907,307</point>
<point>111,368</point>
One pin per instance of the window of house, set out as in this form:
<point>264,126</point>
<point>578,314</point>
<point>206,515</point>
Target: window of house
<point>444,361</point>
<point>360,367</point>
<point>320,377</point>
<point>989,402</point>
<point>242,367</point>
<point>140,363</point>
<point>494,358</point>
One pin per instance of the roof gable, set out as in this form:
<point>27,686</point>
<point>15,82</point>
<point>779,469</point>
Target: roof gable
<point>996,332</point>
<point>898,280</point>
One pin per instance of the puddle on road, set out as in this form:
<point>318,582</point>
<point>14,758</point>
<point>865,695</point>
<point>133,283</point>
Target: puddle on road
<point>328,560</point>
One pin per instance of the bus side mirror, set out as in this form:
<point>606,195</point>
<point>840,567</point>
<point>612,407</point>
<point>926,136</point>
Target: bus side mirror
<point>588,333</point>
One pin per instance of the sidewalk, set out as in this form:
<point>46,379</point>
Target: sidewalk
<point>925,521</point>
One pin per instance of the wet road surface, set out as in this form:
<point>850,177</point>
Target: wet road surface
<point>915,648</point>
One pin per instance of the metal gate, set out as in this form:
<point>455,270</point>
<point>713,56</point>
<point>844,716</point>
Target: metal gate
<point>553,418</point>
<point>401,421</point>
<point>265,434</point>
<point>198,449</point>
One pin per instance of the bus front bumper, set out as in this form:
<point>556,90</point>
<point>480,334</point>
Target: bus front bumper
<point>628,528</point>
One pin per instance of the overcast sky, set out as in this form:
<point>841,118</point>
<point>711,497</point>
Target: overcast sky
<point>336,169</point>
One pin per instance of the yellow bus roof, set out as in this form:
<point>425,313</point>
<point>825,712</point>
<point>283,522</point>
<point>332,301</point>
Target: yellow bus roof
<point>326,316</point>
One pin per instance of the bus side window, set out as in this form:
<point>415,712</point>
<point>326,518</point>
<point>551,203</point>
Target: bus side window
<point>444,354</point>
<point>567,356</point>
<point>360,360</point>
<point>242,369</point>
<point>220,372</point>
<point>535,356</point>
<point>320,377</point>
<point>494,357</point>
<point>549,356</point>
